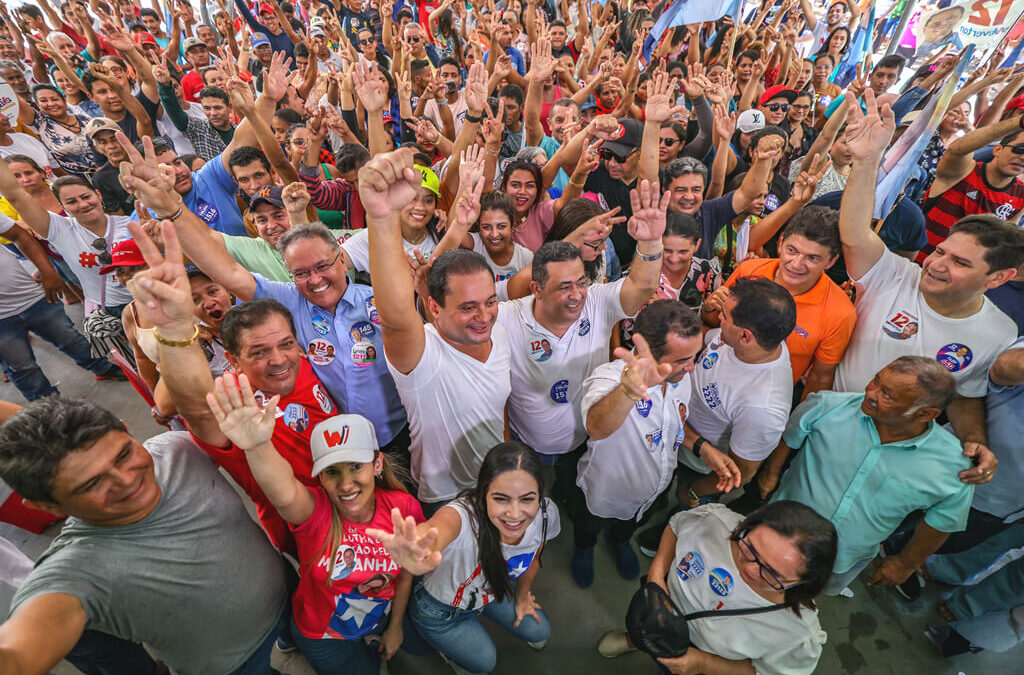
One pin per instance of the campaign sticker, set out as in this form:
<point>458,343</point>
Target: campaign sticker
<point>518,564</point>
<point>653,439</point>
<point>371,311</point>
<point>208,212</point>
<point>690,566</point>
<point>362,330</point>
<point>901,326</point>
<point>584,327</point>
<point>709,361</point>
<point>643,406</point>
<point>364,354</point>
<point>296,417</point>
<point>321,352</point>
<point>323,398</point>
<point>800,332</point>
<point>540,350</point>
<point>321,324</point>
<point>560,391</point>
<point>771,202</point>
<point>954,356</point>
<point>721,581</point>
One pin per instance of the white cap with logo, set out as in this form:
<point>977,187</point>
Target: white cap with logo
<point>750,121</point>
<point>342,438</point>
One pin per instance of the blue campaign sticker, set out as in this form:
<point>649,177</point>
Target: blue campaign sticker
<point>710,394</point>
<point>584,327</point>
<point>643,406</point>
<point>721,581</point>
<point>955,356</point>
<point>296,417</point>
<point>518,564</point>
<point>208,212</point>
<point>653,439</point>
<point>690,566</point>
<point>771,202</point>
<point>362,330</point>
<point>800,331</point>
<point>560,391</point>
<point>709,361</point>
<point>371,311</point>
<point>321,324</point>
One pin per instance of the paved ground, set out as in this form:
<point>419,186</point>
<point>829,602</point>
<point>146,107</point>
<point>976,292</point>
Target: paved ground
<point>874,633</point>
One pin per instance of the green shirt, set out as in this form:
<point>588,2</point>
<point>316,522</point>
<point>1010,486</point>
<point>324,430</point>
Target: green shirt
<point>257,256</point>
<point>845,473</point>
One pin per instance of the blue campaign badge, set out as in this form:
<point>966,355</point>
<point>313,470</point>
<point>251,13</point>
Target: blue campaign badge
<point>518,564</point>
<point>690,566</point>
<point>643,406</point>
<point>800,331</point>
<point>560,391</point>
<point>371,311</point>
<point>584,327</point>
<point>954,356</point>
<point>653,439</point>
<point>208,212</point>
<point>362,330</point>
<point>296,417</point>
<point>709,361</point>
<point>771,202</point>
<point>321,324</point>
<point>721,581</point>
<point>710,394</point>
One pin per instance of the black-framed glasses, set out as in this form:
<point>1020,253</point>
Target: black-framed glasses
<point>776,107</point>
<point>100,244</point>
<point>606,154</point>
<point>768,575</point>
<point>1017,149</point>
<point>596,245</point>
<point>668,142</point>
<point>366,41</point>
<point>321,269</point>
<point>413,39</point>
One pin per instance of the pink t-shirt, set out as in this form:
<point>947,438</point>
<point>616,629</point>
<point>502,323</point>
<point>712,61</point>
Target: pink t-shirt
<point>535,228</point>
<point>363,580</point>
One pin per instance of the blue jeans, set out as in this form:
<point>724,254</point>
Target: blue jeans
<point>98,653</point>
<point>48,321</point>
<point>459,635</point>
<point>259,662</point>
<point>338,657</point>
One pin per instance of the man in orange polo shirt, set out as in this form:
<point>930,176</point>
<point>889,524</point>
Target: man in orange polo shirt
<point>824,314</point>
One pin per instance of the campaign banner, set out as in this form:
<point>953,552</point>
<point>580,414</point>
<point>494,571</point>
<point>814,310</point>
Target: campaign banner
<point>8,103</point>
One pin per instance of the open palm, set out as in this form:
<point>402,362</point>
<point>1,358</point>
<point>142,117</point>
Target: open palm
<point>868,134</point>
<point>239,416</point>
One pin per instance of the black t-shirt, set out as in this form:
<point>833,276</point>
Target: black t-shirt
<point>115,198</point>
<point>614,192</point>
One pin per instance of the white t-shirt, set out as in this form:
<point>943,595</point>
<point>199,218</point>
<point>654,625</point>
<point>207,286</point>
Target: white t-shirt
<point>358,249</point>
<point>522,258</point>
<point>74,243</point>
<point>621,475</point>
<point>18,291</point>
<point>182,144</point>
<point>459,581</point>
<point>548,371</point>
<point>737,406</point>
<point>703,577</point>
<point>894,320</point>
<point>23,144</point>
<point>456,408</point>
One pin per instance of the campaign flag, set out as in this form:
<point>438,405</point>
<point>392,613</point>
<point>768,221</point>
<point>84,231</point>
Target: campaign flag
<point>901,159</point>
<point>859,47</point>
<point>1014,56</point>
<point>685,12</point>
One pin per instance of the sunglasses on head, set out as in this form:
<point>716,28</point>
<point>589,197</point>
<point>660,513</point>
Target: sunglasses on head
<point>776,107</point>
<point>606,153</point>
<point>1017,149</point>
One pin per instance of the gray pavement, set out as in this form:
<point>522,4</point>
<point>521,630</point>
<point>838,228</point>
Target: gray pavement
<point>873,633</point>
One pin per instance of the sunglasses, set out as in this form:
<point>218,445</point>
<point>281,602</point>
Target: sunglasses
<point>367,41</point>
<point>800,106</point>
<point>413,39</point>
<point>776,107</point>
<point>668,142</point>
<point>606,154</point>
<point>100,244</point>
<point>1017,149</point>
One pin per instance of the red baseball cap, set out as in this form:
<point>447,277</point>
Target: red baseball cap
<point>125,253</point>
<point>778,91</point>
<point>267,9</point>
<point>145,37</point>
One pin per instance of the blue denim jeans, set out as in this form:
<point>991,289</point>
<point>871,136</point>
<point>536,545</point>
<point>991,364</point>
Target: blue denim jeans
<point>338,657</point>
<point>459,635</point>
<point>98,653</point>
<point>259,662</point>
<point>48,321</point>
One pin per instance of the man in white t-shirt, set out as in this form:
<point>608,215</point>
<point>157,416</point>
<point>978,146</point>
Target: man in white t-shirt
<point>635,409</point>
<point>452,375</point>
<point>938,310</point>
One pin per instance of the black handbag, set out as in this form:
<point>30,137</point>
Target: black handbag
<point>657,627</point>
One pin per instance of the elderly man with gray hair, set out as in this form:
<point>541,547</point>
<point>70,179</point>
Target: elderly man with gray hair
<point>866,461</point>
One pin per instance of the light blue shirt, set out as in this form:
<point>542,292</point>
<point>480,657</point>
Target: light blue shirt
<point>1003,496</point>
<point>550,146</point>
<point>347,352</point>
<point>866,488</point>
<point>212,198</point>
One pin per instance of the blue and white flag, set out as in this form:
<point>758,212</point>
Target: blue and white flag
<point>685,12</point>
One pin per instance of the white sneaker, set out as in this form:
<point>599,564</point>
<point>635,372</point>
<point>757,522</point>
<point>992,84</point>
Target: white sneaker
<point>614,643</point>
<point>846,593</point>
<point>538,645</point>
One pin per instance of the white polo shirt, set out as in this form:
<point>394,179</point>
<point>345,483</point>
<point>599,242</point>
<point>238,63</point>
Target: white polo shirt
<point>522,258</point>
<point>456,408</point>
<point>737,406</point>
<point>75,244</point>
<point>621,475</point>
<point>358,249</point>
<point>893,320</point>
<point>548,371</point>
<point>703,576</point>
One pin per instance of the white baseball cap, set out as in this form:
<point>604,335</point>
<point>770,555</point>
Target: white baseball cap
<point>342,438</point>
<point>750,121</point>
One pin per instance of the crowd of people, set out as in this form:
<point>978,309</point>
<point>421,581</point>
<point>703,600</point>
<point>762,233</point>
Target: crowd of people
<point>430,281</point>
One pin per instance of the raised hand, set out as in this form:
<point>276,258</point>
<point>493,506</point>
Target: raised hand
<point>388,182</point>
<point>642,370</point>
<point>471,163</point>
<point>467,203</point>
<point>697,83</point>
<point>810,176</point>
<point>542,63</point>
<point>239,416</point>
<point>494,125</point>
<point>725,124</point>
<point>295,197</point>
<point>868,134</point>
<point>241,95</point>
<point>161,73</point>
<point>275,80</point>
<point>410,551</point>
<point>368,87</point>
<point>649,206</point>
<point>475,91</point>
<point>145,179</point>
<point>659,107</point>
<point>162,293</point>
<point>118,38</point>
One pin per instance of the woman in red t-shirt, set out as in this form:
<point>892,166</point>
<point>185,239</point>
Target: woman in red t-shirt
<point>347,611</point>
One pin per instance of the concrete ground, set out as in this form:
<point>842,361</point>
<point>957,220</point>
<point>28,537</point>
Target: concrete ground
<point>873,633</point>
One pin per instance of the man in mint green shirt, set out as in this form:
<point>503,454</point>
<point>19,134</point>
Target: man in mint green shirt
<point>866,461</point>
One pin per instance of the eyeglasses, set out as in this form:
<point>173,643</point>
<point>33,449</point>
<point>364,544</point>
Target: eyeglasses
<point>299,142</point>
<point>596,245</point>
<point>1017,149</point>
<point>668,142</point>
<point>100,244</point>
<point>116,70</point>
<point>776,107</point>
<point>367,41</point>
<point>800,106</point>
<point>322,268</point>
<point>606,154</point>
<point>767,574</point>
<point>413,39</point>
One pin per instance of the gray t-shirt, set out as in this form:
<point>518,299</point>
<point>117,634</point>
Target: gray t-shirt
<point>196,580</point>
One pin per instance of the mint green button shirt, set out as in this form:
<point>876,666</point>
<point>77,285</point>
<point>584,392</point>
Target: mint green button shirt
<point>866,488</point>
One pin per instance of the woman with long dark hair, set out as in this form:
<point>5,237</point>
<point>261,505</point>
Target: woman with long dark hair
<point>480,555</point>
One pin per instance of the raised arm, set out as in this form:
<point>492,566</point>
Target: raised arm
<point>32,214</point>
<point>258,113</point>
<point>753,184</point>
<point>658,109</point>
<point>541,66</point>
<point>41,633</point>
<point>642,372</point>
<point>647,225</point>
<point>143,124</point>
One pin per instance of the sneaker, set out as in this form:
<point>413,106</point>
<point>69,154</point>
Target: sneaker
<point>614,643</point>
<point>948,642</point>
<point>285,645</point>
<point>116,375</point>
<point>650,539</point>
<point>626,561</point>
<point>911,588</point>
<point>538,645</point>
<point>583,567</point>
<point>846,593</point>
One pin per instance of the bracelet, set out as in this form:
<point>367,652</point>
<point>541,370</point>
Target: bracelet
<point>650,257</point>
<point>491,153</point>
<point>577,185</point>
<point>176,343</point>
<point>176,214</point>
<point>474,120</point>
<point>443,102</point>
<point>691,494</point>
<point>697,445</point>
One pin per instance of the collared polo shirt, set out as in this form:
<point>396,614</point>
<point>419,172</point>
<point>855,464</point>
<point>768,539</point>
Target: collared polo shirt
<point>347,352</point>
<point>866,488</point>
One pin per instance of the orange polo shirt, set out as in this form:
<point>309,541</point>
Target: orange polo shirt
<point>824,317</point>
